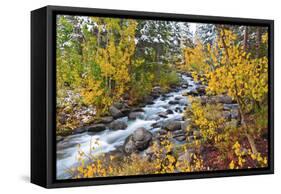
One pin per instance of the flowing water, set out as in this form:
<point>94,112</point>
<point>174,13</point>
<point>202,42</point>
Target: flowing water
<point>110,139</point>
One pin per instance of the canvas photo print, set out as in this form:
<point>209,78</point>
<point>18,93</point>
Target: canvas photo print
<point>146,97</point>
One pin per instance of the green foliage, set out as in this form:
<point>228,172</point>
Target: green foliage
<point>167,79</point>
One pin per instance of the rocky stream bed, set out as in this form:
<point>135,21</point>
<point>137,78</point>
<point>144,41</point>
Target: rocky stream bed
<point>133,129</point>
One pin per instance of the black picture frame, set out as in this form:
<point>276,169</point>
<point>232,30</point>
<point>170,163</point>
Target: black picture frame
<point>43,96</point>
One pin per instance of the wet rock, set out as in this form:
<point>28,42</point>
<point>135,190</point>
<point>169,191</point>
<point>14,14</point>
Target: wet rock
<point>180,138</point>
<point>148,100</point>
<point>118,105</point>
<point>154,96</point>
<point>230,106</point>
<point>166,95</point>
<point>137,109</point>
<point>156,92</point>
<point>183,102</point>
<point>141,134</point>
<point>163,114</point>
<point>178,98</point>
<point>162,132</point>
<point>188,74</point>
<point>178,133</point>
<point>65,144</point>
<point>234,113</point>
<point>184,86</point>
<point>125,111</point>
<point>135,115</point>
<point>116,113</point>
<point>226,100</point>
<point>173,102</point>
<point>169,111</point>
<point>178,109</point>
<point>156,125</point>
<point>79,130</point>
<point>172,125</point>
<point>163,98</point>
<point>138,141</point>
<point>96,128</point>
<point>117,125</point>
<point>157,89</point>
<point>201,89</point>
<point>192,92</point>
<point>141,138</point>
<point>185,124</point>
<point>129,146</point>
<point>106,119</point>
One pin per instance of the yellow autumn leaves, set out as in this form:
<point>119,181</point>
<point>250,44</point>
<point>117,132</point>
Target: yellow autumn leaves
<point>113,62</point>
<point>164,160</point>
<point>242,154</point>
<point>229,69</point>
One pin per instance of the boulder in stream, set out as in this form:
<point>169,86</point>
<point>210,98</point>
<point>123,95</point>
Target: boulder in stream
<point>106,119</point>
<point>125,111</point>
<point>163,114</point>
<point>137,109</point>
<point>173,102</point>
<point>135,115</point>
<point>172,125</point>
<point>178,98</point>
<point>192,92</point>
<point>118,125</point>
<point>79,130</point>
<point>148,100</point>
<point>118,105</point>
<point>180,138</point>
<point>96,128</point>
<point>116,113</point>
<point>138,141</point>
<point>169,111</point>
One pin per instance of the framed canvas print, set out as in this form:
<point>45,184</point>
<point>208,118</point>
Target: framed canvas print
<point>125,96</point>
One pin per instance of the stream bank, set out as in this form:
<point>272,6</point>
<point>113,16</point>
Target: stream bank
<point>133,129</point>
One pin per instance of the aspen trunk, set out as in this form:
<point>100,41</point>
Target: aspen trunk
<point>240,103</point>
<point>258,42</point>
<point>245,39</point>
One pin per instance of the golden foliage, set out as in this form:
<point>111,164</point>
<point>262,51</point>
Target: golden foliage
<point>163,161</point>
